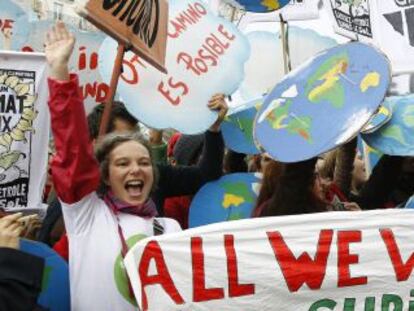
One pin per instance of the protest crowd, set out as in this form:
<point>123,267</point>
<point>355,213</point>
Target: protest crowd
<point>104,193</point>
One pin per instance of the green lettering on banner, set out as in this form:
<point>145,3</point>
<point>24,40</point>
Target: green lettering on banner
<point>389,299</point>
<point>349,304</point>
<point>370,304</point>
<point>324,303</point>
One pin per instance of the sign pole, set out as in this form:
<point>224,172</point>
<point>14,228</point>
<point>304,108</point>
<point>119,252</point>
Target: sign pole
<point>116,72</point>
<point>283,36</point>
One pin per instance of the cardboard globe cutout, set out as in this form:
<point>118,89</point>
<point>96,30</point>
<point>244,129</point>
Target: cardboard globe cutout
<point>259,6</point>
<point>379,119</point>
<point>237,128</point>
<point>232,197</point>
<point>323,103</point>
<point>397,136</point>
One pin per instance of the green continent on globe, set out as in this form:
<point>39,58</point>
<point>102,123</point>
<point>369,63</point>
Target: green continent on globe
<point>408,116</point>
<point>236,194</point>
<point>394,132</point>
<point>245,125</point>
<point>325,83</point>
<point>296,125</point>
<point>120,274</point>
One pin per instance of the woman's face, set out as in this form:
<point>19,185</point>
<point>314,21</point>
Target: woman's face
<point>130,172</point>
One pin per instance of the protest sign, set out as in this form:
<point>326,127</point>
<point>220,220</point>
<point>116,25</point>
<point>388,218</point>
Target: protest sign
<point>24,130</point>
<point>323,103</point>
<point>313,262</point>
<point>394,31</point>
<point>264,68</point>
<point>55,293</point>
<point>232,197</point>
<point>28,34</point>
<point>140,25</point>
<point>396,137</point>
<point>205,56</point>
<point>237,127</point>
<point>351,18</point>
<point>84,60</point>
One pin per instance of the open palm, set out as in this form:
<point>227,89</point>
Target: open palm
<point>59,45</point>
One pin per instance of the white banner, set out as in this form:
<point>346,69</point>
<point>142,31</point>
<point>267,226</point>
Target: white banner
<point>24,130</point>
<point>315,262</point>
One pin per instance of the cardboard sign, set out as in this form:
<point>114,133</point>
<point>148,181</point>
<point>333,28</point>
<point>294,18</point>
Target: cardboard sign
<point>323,103</point>
<point>205,56</point>
<point>138,24</point>
<point>313,262</point>
<point>232,197</point>
<point>24,130</point>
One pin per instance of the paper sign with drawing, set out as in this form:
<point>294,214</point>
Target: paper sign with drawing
<point>24,130</point>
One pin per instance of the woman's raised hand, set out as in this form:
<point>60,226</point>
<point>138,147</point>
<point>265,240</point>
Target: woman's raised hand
<point>58,48</point>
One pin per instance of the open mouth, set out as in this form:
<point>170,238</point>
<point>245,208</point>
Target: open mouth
<point>134,187</point>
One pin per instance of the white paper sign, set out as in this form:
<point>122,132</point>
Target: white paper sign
<point>314,262</point>
<point>24,130</point>
<point>205,55</point>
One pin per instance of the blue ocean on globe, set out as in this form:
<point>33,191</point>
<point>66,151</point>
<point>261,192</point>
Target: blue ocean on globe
<point>237,128</point>
<point>232,197</point>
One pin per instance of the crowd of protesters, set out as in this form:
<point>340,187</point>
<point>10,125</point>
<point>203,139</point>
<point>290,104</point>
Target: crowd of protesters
<point>135,183</point>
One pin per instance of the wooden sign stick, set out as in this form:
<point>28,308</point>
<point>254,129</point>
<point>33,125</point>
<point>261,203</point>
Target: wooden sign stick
<point>116,73</point>
<point>285,48</point>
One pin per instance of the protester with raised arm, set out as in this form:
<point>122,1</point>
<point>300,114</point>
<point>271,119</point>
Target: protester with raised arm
<point>106,203</point>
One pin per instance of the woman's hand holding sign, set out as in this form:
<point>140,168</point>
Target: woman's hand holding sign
<point>218,103</point>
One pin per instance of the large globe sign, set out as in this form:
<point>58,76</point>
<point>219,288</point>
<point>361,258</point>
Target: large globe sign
<point>323,103</point>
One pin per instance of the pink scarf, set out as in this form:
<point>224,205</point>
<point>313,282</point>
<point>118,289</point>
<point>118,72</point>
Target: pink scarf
<point>145,210</point>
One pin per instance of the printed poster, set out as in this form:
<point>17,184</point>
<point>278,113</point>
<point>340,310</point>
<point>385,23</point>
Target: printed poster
<point>351,18</point>
<point>24,130</point>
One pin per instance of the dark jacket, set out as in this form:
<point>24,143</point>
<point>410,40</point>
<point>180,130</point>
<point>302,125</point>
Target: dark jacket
<point>20,280</point>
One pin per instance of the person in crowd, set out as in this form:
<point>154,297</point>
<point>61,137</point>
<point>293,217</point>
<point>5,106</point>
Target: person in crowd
<point>186,151</point>
<point>107,202</point>
<point>20,273</point>
<point>271,176</point>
